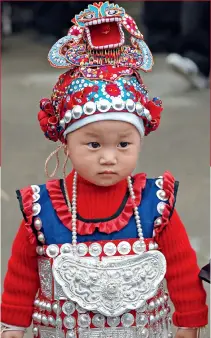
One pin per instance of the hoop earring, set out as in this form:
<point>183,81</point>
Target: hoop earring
<point>56,153</point>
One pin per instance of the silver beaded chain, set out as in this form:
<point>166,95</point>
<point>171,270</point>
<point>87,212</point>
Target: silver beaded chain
<point>73,209</point>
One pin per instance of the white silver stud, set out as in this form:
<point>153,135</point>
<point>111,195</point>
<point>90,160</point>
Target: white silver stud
<point>147,114</point>
<point>124,248</point>
<point>159,183</point>
<point>98,320</point>
<point>48,307</point>
<point>36,302</point>
<point>40,250</point>
<point>95,249</point>
<point>141,319</point>
<point>68,308</point>
<point>89,108</point>
<point>44,320</point>
<point>35,331</point>
<point>161,194</point>
<point>151,246</point>
<point>127,319</point>
<point>130,105</point>
<point>66,248</point>
<point>41,237</point>
<point>139,109</point>
<point>84,320</point>
<point>82,249</point>
<point>37,223</point>
<point>51,320</point>
<point>138,248</point>
<point>35,188</point>
<point>35,197</point>
<point>160,207</point>
<point>36,208</point>
<point>69,322</point>
<point>118,104</point>
<point>34,316</point>
<point>103,105</point>
<point>68,116</point>
<point>113,321</point>
<point>77,111</point>
<point>52,250</point>
<point>151,305</point>
<point>62,123</point>
<point>56,308</point>
<point>110,249</point>
<point>158,222</point>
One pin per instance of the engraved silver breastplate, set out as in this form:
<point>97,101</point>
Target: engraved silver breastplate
<point>111,286</point>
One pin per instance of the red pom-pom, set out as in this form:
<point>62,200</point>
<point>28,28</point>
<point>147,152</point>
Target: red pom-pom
<point>43,120</point>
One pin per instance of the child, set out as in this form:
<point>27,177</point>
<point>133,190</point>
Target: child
<point>92,251</point>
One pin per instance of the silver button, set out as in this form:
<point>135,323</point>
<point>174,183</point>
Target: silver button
<point>89,108</point>
<point>52,250</point>
<point>69,322</point>
<point>127,319</point>
<point>141,319</point>
<point>66,248</point>
<point>68,308</point>
<point>35,188</point>
<point>109,249</point>
<point>77,112</point>
<point>84,320</point>
<point>36,208</point>
<point>124,248</point>
<point>151,246</point>
<point>37,223</point>
<point>161,207</point>
<point>159,183</point>
<point>158,222</point>
<point>35,197</point>
<point>103,105</point>
<point>98,320</point>
<point>113,321</point>
<point>161,194</point>
<point>40,250</point>
<point>95,249</point>
<point>82,249</point>
<point>138,248</point>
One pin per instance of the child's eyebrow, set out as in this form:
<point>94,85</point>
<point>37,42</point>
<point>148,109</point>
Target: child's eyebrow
<point>91,134</point>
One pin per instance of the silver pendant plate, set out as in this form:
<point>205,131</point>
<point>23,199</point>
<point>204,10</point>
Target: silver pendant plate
<point>110,287</point>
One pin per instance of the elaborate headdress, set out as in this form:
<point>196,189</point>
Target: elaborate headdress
<point>102,81</point>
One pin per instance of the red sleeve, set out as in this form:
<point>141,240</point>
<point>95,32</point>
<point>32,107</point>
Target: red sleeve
<point>21,282</point>
<point>184,286</point>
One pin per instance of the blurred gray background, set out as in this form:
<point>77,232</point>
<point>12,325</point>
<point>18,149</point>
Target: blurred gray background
<point>181,145</point>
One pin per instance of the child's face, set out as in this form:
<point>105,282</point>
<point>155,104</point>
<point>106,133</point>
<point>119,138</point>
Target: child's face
<point>104,152</point>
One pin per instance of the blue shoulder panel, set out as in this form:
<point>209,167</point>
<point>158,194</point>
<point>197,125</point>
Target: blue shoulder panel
<point>56,233</point>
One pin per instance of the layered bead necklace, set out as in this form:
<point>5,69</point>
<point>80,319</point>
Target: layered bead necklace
<point>73,209</point>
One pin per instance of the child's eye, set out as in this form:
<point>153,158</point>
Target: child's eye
<point>123,145</point>
<point>93,145</point>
